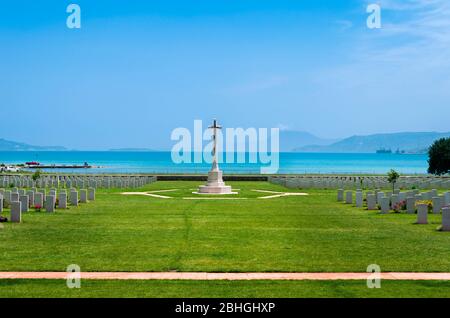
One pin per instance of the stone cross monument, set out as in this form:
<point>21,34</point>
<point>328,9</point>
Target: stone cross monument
<point>215,184</point>
<point>214,127</point>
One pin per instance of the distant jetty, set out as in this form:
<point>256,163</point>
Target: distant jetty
<point>37,165</point>
<point>60,167</point>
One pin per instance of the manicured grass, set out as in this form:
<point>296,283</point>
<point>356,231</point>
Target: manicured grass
<point>223,289</point>
<point>137,233</point>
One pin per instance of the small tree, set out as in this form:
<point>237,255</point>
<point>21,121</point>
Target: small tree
<point>36,175</point>
<point>392,178</point>
<point>439,157</point>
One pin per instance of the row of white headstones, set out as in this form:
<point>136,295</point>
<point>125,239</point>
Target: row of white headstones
<point>75,181</point>
<point>388,201</point>
<point>357,182</point>
<point>21,200</point>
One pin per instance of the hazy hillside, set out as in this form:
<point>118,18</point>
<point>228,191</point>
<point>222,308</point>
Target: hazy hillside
<point>290,140</point>
<point>132,150</point>
<point>408,142</point>
<point>6,145</point>
<point>304,142</point>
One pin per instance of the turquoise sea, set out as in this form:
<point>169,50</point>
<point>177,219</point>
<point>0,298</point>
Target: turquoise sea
<point>161,162</point>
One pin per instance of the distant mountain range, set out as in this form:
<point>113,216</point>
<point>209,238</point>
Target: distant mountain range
<point>290,140</point>
<point>6,145</point>
<point>300,141</point>
<point>407,142</point>
<point>132,150</point>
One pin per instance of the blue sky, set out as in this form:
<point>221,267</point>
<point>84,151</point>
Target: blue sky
<point>136,70</point>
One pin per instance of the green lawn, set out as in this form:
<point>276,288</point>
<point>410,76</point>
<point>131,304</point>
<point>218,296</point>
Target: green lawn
<point>223,289</point>
<point>135,233</point>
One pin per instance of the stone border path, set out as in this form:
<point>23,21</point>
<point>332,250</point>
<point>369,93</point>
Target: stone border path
<point>152,193</point>
<point>212,198</point>
<point>147,195</point>
<point>276,194</point>
<point>273,194</point>
<point>222,276</point>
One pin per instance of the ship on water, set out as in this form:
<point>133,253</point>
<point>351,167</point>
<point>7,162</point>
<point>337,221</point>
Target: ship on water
<point>383,150</point>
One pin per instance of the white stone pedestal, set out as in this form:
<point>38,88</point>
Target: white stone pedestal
<point>215,184</point>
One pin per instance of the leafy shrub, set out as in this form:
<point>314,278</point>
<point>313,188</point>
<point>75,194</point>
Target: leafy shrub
<point>427,202</point>
<point>36,175</point>
<point>400,206</point>
<point>393,177</point>
<point>439,157</point>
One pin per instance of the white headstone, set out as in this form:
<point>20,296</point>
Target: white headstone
<point>447,198</point>
<point>384,203</point>
<point>359,199</point>
<point>437,205</point>
<point>445,219</point>
<point>74,198</point>
<point>39,200</point>
<point>349,197</point>
<point>394,200</point>
<point>50,203</point>
<point>371,204</point>
<point>410,205</point>
<point>30,194</point>
<point>91,194</point>
<point>14,197</point>
<point>16,212</point>
<point>83,196</point>
<point>426,196</point>
<point>340,195</point>
<point>62,200</point>
<point>379,196</point>
<point>422,214</point>
<point>7,196</point>
<point>24,200</point>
